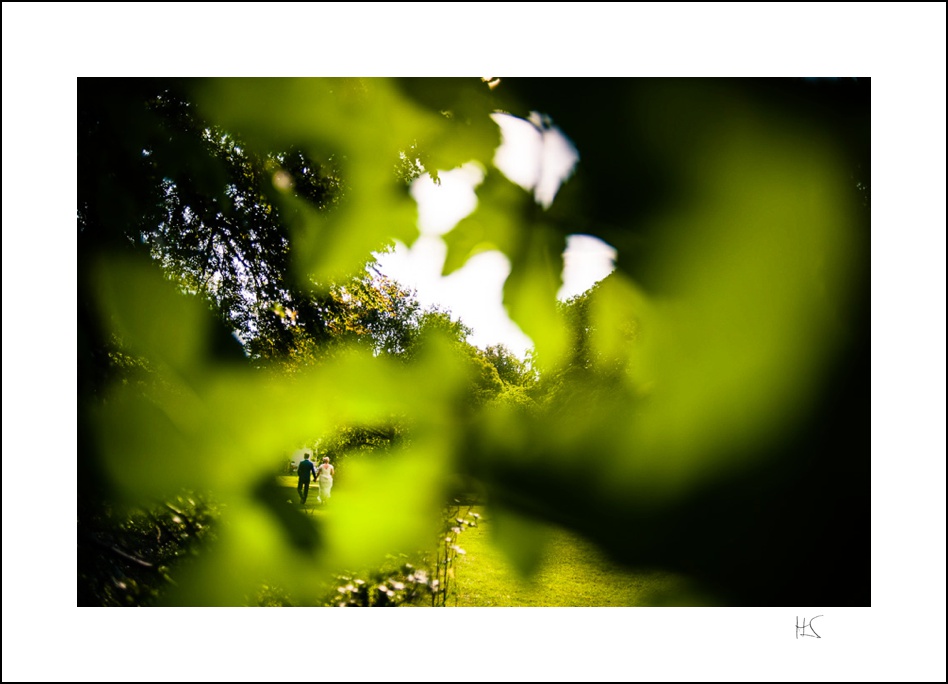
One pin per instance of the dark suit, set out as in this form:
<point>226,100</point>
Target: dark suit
<point>306,472</point>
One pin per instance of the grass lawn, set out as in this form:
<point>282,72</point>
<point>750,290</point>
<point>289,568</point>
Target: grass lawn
<point>572,572</point>
<point>289,482</point>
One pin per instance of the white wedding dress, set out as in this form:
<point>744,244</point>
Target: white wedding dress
<point>325,482</point>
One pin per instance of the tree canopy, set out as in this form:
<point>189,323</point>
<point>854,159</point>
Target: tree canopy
<point>686,413</point>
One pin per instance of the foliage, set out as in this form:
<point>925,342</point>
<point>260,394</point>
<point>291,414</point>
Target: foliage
<point>400,582</point>
<point>510,369</point>
<point>209,210</point>
<point>693,404</point>
<point>447,554</point>
<point>126,559</point>
<point>591,371</point>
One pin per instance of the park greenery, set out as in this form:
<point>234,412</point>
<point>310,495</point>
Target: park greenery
<point>701,413</point>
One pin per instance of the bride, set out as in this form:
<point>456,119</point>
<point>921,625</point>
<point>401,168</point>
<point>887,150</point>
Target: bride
<point>324,473</point>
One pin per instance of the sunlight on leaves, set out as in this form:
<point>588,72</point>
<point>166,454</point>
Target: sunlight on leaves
<point>674,381</point>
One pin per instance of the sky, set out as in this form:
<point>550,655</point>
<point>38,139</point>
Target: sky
<point>535,155</point>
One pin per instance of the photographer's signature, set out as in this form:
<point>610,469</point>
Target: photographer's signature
<point>803,626</point>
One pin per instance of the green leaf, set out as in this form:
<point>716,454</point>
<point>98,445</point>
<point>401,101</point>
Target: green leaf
<point>522,540</point>
<point>151,316</point>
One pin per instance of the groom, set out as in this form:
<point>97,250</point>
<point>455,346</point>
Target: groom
<point>306,472</point>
